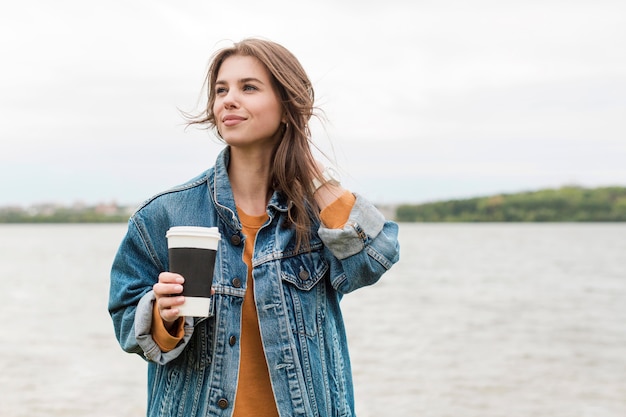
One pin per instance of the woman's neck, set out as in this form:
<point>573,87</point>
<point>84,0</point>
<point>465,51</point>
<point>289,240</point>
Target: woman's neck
<point>249,177</point>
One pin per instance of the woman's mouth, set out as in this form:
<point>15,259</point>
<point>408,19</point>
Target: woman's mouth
<point>232,120</point>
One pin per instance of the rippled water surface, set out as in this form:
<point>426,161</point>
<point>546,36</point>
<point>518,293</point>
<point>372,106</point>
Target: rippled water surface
<point>477,320</point>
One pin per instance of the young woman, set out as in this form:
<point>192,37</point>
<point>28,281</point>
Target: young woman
<point>293,242</point>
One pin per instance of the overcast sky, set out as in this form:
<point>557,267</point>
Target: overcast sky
<point>424,100</point>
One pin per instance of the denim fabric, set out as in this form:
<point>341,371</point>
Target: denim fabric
<point>297,296</point>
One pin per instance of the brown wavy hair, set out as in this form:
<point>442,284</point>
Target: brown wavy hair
<point>293,165</point>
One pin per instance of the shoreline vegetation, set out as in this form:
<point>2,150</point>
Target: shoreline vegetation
<point>58,213</point>
<point>565,204</point>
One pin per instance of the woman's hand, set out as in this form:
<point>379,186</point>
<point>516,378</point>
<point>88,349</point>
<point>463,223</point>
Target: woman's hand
<point>328,191</point>
<point>167,292</point>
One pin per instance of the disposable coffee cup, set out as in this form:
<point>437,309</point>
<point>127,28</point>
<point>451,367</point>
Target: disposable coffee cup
<point>192,253</point>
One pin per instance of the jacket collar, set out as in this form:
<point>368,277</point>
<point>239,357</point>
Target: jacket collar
<point>222,193</point>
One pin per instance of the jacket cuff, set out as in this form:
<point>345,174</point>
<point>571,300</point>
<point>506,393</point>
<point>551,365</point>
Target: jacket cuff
<point>364,223</point>
<point>143,332</point>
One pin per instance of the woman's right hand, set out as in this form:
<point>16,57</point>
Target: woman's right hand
<point>167,292</point>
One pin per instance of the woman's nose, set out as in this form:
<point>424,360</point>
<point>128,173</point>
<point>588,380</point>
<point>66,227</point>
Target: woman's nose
<point>230,100</point>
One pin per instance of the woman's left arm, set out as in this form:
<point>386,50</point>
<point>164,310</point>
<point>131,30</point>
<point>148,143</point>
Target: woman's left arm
<point>362,246</point>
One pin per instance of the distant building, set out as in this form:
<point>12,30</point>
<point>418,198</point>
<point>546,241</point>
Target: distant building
<point>107,209</point>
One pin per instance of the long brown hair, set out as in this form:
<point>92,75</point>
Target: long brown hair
<point>293,165</point>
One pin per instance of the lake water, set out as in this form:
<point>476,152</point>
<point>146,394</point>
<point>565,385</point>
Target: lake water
<point>476,320</point>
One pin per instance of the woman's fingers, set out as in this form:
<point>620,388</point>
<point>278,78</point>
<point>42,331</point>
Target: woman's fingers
<point>170,278</point>
<point>169,284</point>
<point>167,292</point>
<point>168,307</point>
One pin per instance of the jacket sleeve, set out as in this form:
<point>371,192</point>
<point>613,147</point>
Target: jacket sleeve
<point>363,249</point>
<point>135,270</point>
<point>151,350</point>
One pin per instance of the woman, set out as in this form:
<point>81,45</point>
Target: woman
<point>293,242</point>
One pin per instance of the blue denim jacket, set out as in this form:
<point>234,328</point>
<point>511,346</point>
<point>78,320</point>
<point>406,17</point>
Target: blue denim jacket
<point>297,297</point>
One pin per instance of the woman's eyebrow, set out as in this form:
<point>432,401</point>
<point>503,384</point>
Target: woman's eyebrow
<point>242,81</point>
<point>250,79</point>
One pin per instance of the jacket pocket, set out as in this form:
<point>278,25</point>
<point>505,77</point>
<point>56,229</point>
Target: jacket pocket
<point>304,271</point>
<point>304,287</point>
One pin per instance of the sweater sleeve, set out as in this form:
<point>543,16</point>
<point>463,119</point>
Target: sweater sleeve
<point>165,340</point>
<point>335,215</point>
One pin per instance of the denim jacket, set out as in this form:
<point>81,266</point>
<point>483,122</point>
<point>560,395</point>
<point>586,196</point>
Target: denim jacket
<point>297,296</point>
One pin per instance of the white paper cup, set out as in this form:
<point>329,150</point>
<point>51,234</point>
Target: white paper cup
<point>192,251</point>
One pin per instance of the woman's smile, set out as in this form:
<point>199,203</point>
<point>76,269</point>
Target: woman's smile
<point>232,120</point>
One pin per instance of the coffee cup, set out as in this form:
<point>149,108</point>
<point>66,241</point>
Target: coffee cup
<point>192,251</point>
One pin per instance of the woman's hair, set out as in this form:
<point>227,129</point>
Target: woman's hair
<point>293,165</point>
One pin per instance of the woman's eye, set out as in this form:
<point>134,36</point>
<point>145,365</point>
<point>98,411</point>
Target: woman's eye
<point>220,90</point>
<point>249,87</point>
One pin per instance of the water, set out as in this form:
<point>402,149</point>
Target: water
<point>477,320</point>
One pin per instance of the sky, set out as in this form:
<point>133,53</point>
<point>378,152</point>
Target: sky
<point>422,100</point>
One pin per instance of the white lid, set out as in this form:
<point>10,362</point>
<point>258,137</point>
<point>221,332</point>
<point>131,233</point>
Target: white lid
<point>194,231</point>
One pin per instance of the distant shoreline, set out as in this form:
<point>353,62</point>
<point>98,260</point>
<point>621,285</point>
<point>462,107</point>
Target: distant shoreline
<point>78,213</point>
<point>565,204</point>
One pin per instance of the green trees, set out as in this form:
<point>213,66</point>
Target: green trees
<point>566,204</point>
<point>62,215</point>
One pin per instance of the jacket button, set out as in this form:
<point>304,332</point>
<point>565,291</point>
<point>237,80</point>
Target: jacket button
<point>235,240</point>
<point>304,275</point>
<point>222,403</point>
<point>236,283</point>
<point>232,340</point>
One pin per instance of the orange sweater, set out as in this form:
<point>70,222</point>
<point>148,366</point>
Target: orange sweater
<point>254,381</point>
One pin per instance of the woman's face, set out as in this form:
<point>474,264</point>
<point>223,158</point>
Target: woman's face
<point>247,107</point>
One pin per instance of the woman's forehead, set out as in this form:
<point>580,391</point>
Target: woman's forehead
<point>239,67</point>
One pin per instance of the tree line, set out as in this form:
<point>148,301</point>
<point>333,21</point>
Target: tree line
<point>62,215</point>
<point>566,204</point>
